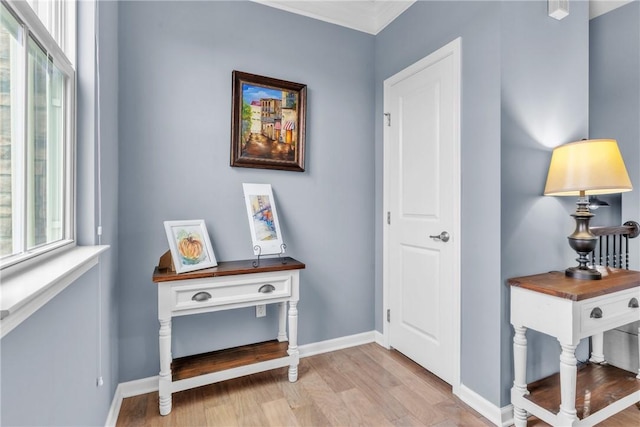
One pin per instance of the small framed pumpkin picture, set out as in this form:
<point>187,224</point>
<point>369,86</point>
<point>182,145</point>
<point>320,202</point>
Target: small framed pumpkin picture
<point>190,245</point>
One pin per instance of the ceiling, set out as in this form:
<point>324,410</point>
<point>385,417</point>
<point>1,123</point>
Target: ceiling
<point>371,16</point>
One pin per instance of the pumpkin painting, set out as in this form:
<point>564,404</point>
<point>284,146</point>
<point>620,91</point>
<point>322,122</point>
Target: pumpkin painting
<point>190,247</point>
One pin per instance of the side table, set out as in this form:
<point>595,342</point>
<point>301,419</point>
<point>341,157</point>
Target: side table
<point>230,285</point>
<point>571,309</point>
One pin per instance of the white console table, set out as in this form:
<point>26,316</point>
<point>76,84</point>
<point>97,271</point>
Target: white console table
<point>571,309</point>
<point>230,285</point>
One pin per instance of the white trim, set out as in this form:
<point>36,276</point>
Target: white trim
<point>506,413</point>
<point>453,49</point>
<point>494,414</point>
<point>24,292</point>
<point>129,389</point>
<point>367,16</point>
<point>149,385</point>
<point>600,7</point>
<point>114,409</point>
<point>34,29</point>
<point>138,387</point>
<point>336,344</point>
<point>379,339</point>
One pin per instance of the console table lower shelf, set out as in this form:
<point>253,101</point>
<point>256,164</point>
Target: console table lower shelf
<point>601,391</point>
<point>207,368</point>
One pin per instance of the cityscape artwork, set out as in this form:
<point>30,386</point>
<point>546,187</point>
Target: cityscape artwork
<point>268,123</point>
<point>266,237</point>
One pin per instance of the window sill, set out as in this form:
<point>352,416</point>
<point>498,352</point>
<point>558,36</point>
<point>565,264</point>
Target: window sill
<point>22,293</point>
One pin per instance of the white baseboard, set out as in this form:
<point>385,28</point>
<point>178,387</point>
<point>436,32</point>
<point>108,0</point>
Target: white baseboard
<point>498,416</point>
<point>336,344</point>
<point>129,389</point>
<point>379,339</point>
<point>507,415</point>
<point>114,409</point>
<point>149,385</point>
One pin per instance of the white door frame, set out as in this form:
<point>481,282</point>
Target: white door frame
<point>451,49</point>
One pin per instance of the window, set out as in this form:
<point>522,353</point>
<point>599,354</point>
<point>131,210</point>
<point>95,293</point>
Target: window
<point>37,128</point>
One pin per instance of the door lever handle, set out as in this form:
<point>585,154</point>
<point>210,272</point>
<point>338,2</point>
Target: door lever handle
<point>444,236</point>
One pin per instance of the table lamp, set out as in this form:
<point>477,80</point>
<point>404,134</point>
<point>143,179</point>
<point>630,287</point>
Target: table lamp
<point>583,168</point>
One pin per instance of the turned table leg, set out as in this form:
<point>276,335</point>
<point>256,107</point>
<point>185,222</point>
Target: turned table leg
<point>597,348</point>
<point>164,384</point>
<point>520,373</point>
<point>282,322</point>
<point>568,375</point>
<point>293,341</point>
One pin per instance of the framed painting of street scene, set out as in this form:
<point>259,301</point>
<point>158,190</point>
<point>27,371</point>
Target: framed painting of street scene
<point>267,123</point>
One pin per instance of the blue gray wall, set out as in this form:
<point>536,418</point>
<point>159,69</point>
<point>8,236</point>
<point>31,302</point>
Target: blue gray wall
<point>176,60</point>
<point>422,29</point>
<point>49,363</point>
<point>544,104</point>
<point>614,97</point>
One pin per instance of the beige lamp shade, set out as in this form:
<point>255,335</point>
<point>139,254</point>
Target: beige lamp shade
<point>594,166</point>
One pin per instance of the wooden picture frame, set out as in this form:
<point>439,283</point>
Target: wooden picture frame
<point>266,236</point>
<point>267,123</point>
<point>190,245</point>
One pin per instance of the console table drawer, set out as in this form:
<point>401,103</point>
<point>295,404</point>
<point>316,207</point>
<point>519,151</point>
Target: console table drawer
<point>220,294</point>
<point>622,308</point>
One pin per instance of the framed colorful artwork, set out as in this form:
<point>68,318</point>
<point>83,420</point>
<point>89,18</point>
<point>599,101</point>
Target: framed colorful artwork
<point>263,219</point>
<point>267,123</point>
<point>190,245</point>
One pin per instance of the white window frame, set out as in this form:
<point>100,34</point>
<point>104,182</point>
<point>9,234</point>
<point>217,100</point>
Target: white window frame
<point>34,28</point>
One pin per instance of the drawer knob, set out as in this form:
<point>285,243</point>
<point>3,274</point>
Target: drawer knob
<point>633,303</point>
<point>596,313</point>
<point>201,296</point>
<point>267,289</point>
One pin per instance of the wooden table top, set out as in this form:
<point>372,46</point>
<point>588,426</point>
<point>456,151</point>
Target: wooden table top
<point>229,268</point>
<point>555,283</point>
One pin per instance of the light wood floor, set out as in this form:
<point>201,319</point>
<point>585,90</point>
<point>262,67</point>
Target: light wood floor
<point>359,386</point>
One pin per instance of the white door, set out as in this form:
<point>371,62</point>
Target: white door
<point>422,197</point>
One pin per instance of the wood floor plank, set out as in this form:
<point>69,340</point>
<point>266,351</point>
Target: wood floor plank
<point>278,413</point>
<point>363,408</point>
<point>419,407</point>
<point>310,416</point>
<point>332,407</point>
<point>221,415</point>
<point>459,415</point>
<point>387,404</point>
<point>153,417</point>
<point>265,387</point>
<point>408,421</point>
<point>295,394</point>
<point>131,412</point>
<point>188,409</point>
<point>362,362</point>
<point>327,367</point>
<point>351,387</point>
<point>247,409</point>
<point>405,370</point>
<point>215,394</point>
<point>377,391</point>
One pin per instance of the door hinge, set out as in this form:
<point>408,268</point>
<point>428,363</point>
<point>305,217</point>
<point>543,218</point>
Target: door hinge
<point>388,315</point>
<point>389,218</point>
<point>388,117</point>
